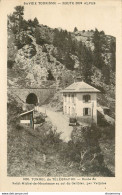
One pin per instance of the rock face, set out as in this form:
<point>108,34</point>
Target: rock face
<point>34,60</point>
<point>86,37</point>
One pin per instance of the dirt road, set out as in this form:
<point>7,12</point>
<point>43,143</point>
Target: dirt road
<point>60,121</point>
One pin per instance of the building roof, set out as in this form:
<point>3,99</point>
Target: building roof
<point>27,112</point>
<point>80,87</point>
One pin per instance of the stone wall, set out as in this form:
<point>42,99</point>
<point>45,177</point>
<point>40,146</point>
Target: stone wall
<point>43,94</point>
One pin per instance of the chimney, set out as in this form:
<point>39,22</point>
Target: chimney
<point>79,79</point>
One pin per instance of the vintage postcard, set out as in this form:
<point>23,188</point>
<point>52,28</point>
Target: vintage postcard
<point>61,99</point>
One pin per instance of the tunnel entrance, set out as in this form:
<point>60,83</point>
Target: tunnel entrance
<point>32,99</point>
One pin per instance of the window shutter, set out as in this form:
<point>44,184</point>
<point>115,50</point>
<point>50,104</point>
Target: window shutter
<point>89,111</point>
<point>83,98</point>
<point>83,111</point>
<point>89,98</point>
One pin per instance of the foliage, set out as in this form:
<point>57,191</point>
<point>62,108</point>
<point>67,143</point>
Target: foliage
<point>44,49</point>
<point>10,64</point>
<point>13,109</point>
<point>113,52</point>
<point>35,21</point>
<point>50,75</point>
<point>75,29</point>
<point>23,40</point>
<point>19,11</point>
<point>39,119</point>
<point>106,74</point>
<point>41,40</point>
<point>68,62</point>
<point>33,50</point>
<point>84,148</point>
<point>108,132</point>
<point>86,60</point>
<point>66,79</point>
<point>17,19</point>
<point>65,48</point>
<point>98,62</point>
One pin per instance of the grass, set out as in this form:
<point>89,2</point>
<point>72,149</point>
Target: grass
<point>41,153</point>
<point>26,153</point>
<point>108,150</point>
<point>25,156</point>
<point>107,145</point>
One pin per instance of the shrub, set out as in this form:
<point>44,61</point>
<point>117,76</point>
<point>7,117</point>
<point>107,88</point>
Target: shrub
<point>85,149</point>
<point>101,120</point>
<point>10,64</point>
<point>108,133</point>
<point>33,50</point>
<point>19,127</point>
<point>48,136</point>
<point>23,40</point>
<point>50,75</point>
<point>27,40</point>
<point>44,49</point>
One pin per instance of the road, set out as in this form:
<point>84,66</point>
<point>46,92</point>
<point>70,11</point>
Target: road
<point>60,121</point>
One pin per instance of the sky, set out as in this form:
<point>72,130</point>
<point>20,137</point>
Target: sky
<point>84,17</point>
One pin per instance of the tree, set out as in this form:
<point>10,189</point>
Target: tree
<point>98,61</point>
<point>35,21</point>
<point>113,56</point>
<point>75,29</point>
<point>17,19</point>
<point>69,62</point>
<point>18,13</point>
<point>85,58</point>
<point>106,74</point>
<point>86,144</point>
<point>50,76</point>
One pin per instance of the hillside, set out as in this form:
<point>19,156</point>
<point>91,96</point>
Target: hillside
<point>39,56</point>
<point>41,152</point>
<point>42,57</point>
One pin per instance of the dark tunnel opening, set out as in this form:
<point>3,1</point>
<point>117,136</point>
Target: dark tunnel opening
<point>32,99</point>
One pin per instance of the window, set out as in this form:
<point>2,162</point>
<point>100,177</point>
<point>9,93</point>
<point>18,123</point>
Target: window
<point>86,98</point>
<point>65,97</point>
<point>69,111</point>
<point>69,97</point>
<point>87,112</point>
<point>73,110</point>
<point>72,98</point>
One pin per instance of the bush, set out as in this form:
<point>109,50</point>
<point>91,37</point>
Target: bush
<point>108,133</point>
<point>27,40</point>
<point>19,127</point>
<point>85,149</point>
<point>44,49</point>
<point>10,64</point>
<point>39,119</point>
<point>50,75</point>
<point>23,40</point>
<point>40,41</point>
<point>70,152</point>
<point>47,135</point>
<point>33,50</point>
<point>101,120</point>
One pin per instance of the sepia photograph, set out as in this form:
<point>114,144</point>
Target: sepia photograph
<point>61,82</point>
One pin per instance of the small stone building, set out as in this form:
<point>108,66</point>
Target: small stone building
<point>27,118</point>
<point>80,100</point>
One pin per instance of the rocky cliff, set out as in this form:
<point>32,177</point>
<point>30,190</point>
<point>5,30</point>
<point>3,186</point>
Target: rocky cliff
<point>39,56</point>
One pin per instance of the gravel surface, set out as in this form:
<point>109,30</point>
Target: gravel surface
<point>60,121</point>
